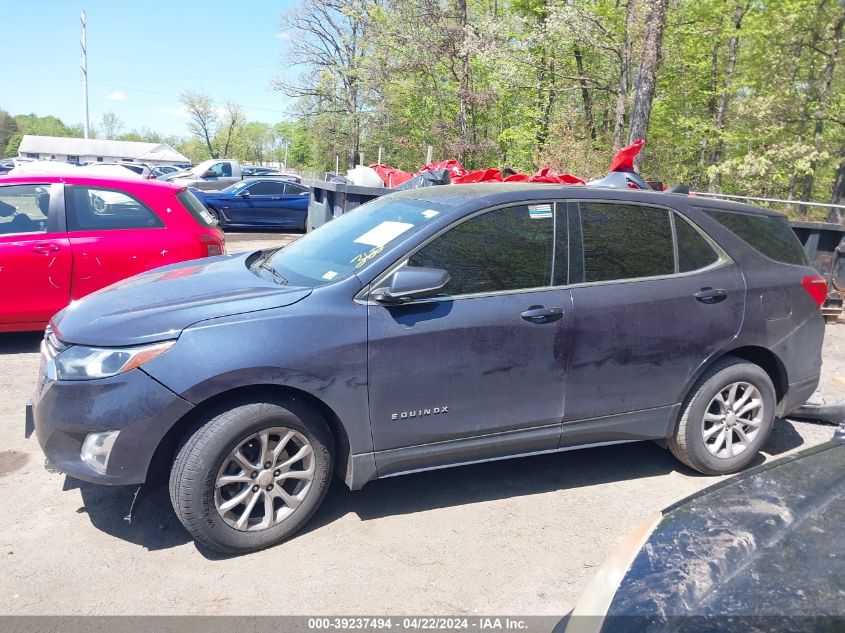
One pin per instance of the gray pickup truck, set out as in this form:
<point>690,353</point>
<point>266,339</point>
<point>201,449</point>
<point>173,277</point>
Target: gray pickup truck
<point>218,173</point>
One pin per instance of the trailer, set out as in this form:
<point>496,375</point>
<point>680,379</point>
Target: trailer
<point>824,243</point>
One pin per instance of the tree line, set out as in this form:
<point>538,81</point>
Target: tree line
<point>737,96</point>
<point>215,132</point>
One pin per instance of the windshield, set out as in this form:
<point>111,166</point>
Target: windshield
<point>340,247</point>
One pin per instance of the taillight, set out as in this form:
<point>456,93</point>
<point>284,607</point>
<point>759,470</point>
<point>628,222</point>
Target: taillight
<point>213,246</point>
<point>816,287</point>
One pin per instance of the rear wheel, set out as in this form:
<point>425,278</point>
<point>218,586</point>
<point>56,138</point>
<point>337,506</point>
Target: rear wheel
<point>726,419</point>
<point>252,476</point>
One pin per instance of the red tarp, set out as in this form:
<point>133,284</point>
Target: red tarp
<point>622,161</point>
<point>391,176</point>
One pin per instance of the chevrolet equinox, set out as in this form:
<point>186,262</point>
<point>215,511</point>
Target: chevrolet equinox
<point>430,328</point>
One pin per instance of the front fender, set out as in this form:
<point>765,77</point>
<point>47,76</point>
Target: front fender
<point>319,348</point>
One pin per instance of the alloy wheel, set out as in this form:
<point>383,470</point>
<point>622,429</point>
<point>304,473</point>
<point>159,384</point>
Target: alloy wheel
<point>732,420</point>
<point>264,479</point>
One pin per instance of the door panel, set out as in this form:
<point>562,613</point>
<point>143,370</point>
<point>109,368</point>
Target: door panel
<point>35,275</point>
<point>488,357</point>
<point>635,345</point>
<point>113,235</point>
<point>636,342</point>
<point>444,370</point>
<point>35,255</point>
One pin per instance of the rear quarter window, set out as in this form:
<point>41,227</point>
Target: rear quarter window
<point>770,235</point>
<point>195,208</point>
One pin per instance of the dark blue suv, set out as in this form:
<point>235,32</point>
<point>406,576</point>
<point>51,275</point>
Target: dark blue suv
<point>429,328</point>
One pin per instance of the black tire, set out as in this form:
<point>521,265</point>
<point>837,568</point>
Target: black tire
<point>688,444</point>
<point>194,472</point>
<point>214,214</point>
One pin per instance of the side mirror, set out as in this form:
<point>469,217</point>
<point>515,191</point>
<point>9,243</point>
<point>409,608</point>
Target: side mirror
<point>411,282</point>
<point>209,173</point>
<point>244,194</point>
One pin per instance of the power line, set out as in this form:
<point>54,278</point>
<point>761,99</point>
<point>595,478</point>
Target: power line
<point>175,96</point>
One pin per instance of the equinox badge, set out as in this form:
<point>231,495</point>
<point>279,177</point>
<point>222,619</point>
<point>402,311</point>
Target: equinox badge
<point>418,413</point>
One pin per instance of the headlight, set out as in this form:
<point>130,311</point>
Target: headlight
<point>86,363</point>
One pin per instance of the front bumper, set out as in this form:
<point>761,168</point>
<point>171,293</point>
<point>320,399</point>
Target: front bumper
<point>65,412</point>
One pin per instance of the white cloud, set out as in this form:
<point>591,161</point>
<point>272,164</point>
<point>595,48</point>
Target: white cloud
<point>285,35</point>
<point>117,96</point>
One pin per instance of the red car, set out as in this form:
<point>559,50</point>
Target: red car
<point>63,237</point>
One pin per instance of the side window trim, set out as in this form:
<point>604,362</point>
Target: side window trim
<point>363,295</point>
<point>672,215</point>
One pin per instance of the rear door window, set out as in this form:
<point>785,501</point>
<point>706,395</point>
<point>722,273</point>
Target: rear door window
<point>24,208</point>
<point>621,241</point>
<point>101,209</point>
<point>768,234</point>
<point>505,249</point>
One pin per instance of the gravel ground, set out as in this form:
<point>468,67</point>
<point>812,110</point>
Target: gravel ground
<point>512,537</point>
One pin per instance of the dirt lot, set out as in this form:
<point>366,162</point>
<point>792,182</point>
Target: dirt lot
<point>513,537</point>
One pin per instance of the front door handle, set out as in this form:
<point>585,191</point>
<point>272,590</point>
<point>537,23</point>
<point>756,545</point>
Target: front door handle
<point>711,295</point>
<point>539,314</point>
<point>45,249</point>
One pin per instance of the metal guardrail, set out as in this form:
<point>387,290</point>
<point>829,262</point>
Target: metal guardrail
<point>800,203</point>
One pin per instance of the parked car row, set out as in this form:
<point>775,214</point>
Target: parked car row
<point>217,174</point>
<point>64,237</point>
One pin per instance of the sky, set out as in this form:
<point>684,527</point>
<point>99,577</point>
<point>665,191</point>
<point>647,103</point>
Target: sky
<point>141,56</point>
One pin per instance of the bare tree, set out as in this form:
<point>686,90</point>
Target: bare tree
<point>331,43</point>
<point>233,119</point>
<point>203,118</point>
<point>111,125</point>
<point>647,75</point>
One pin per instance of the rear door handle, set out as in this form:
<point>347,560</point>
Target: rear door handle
<point>45,249</point>
<point>539,314</point>
<point>711,295</point>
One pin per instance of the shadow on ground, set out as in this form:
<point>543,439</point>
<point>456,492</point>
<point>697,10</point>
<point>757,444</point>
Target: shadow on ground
<point>155,525</point>
<point>20,342</point>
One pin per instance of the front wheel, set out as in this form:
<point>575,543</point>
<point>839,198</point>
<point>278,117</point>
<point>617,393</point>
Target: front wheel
<point>252,476</point>
<point>726,419</point>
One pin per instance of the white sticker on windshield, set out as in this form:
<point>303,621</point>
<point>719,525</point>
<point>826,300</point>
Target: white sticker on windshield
<point>330,275</point>
<point>384,233</point>
<point>430,213</point>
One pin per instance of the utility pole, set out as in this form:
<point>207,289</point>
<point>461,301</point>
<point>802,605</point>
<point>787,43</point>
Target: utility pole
<point>84,77</point>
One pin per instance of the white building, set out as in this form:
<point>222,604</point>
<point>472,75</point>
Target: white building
<point>92,150</point>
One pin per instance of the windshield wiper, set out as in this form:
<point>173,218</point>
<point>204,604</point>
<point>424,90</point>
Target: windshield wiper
<point>278,277</point>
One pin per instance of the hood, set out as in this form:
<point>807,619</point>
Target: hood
<point>159,304</point>
<point>755,544</point>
